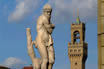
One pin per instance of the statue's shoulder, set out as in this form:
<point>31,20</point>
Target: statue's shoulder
<point>42,18</point>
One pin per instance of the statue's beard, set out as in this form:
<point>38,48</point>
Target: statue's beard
<point>48,16</point>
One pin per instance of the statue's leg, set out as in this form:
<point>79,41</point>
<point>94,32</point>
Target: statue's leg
<point>44,55</point>
<point>51,56</point>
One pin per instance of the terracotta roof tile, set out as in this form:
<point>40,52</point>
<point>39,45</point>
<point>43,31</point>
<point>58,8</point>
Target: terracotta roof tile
<point>30,67</point>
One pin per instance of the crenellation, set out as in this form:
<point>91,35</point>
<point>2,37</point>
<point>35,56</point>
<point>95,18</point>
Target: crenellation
<point>78,44</point>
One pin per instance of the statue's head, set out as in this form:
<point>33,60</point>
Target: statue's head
<point>47,9</point>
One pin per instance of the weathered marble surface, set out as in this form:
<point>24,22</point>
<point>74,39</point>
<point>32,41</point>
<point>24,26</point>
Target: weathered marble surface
<point>43,42</point>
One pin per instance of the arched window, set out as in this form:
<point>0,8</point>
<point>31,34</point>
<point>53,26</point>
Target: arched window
<point>76,36</point>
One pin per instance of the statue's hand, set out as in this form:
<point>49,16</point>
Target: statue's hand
<point>34,43</point>
<point>50,31</point>
<point>53,26</point>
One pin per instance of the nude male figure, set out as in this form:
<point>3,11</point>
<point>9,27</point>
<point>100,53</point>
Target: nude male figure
<point>44,41</point>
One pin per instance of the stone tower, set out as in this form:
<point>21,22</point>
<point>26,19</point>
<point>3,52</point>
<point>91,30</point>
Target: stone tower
<point>100,34</point>
<point>77,48</point>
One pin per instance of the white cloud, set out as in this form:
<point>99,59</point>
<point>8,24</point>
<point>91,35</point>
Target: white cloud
<point>14,63</point>
<point>65,10</point>
<point>23,8</point>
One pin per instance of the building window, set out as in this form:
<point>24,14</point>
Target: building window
<point>76,37</point>
<point>71,50</point>
<point>75,50</point>
<point>79,50</point>
<point>75,63</point>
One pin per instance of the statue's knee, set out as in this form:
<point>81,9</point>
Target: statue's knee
<point>45,61</point>
<point>37,67</point>
<point>51,61</point>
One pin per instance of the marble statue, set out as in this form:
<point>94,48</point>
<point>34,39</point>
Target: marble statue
<point>43,41</point>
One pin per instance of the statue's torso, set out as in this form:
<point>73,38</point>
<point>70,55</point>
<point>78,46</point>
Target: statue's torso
<point>42,33</point>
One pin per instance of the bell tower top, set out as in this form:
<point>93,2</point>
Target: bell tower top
<point>77,48</point>
<point>77,32</point>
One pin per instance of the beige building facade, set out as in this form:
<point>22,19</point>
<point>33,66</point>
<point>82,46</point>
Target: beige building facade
<point>100,34</point>
<point>77,48</point>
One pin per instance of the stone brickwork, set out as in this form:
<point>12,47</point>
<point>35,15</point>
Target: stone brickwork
<point>100,34</point>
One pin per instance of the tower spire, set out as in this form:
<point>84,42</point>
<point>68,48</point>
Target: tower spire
<point>78,19</point>
<point>77,12</point>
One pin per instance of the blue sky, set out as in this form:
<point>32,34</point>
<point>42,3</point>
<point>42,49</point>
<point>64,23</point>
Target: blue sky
<point>17,15</point>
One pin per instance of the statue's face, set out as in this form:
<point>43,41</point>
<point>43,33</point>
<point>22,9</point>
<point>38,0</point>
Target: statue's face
<point>47,13</point>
